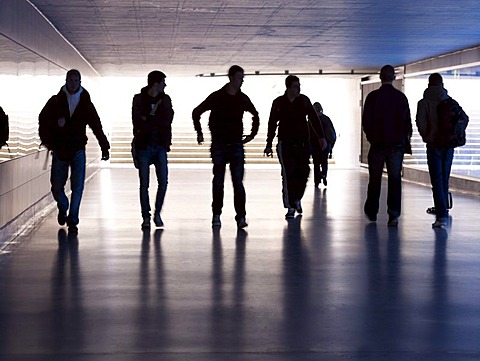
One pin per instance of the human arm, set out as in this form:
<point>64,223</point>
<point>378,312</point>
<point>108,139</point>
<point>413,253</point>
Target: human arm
<point>46,119</point>
<point>95,124</point>
<point>272,126</point>
<point>197,113</point>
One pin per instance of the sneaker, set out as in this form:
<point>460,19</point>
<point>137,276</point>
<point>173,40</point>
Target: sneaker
<point>298,207</point>
<point>72,229</point>
<point>392,222</point>
<point>157,220</point>
<point>325,181</point>
<point>241,222</point>
<point>440,223</point>
<point>146,223</point>
<point>62,218</point>
<point>290,213</point>
<point>216,220</point>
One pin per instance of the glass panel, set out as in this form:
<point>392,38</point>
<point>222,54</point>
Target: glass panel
<point>26,82</point>
<point>462,85</point>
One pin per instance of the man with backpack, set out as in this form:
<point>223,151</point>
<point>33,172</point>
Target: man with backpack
<point>320,157</point>
<point>441,122</point>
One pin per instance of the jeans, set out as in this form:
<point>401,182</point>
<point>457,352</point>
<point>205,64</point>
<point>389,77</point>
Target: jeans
<point>393,158</point>
<point>439,162</point>
<point>156,155</point>
<point>294,159</point>
<point>221,155</point>
<point>320,162</point>
<point>58,179</point>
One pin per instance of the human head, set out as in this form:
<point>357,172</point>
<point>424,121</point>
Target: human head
<point>435,79</point>
<point>235,76</point>
<point>387,74</point>
<point>292,83</point>
<point>155,76</point>
<point>72,81</point>
<point>318,107</point>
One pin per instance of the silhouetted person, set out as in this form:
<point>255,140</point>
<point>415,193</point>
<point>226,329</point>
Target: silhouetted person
<point>320,157</point>
<point>227,106</point>
<point>152,116</point>
<point>388,127</point>
<point>289,113</point>
<point>4,128</point>
<point>62,129</point>
<point>439,148</point>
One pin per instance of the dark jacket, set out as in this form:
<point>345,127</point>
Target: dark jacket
<point>427,117</point>
<point>152,129</point>
<point>291,119</point>
<point>226,116</point>
<point>386,117</point>
<point>70,138</point>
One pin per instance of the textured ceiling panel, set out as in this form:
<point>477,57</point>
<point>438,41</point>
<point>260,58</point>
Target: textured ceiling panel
<point>202,36</point>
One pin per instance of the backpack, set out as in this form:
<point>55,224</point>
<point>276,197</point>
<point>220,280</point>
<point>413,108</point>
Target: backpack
<point>329,130</point>
<point>4,128</point>
<point>452,123</point>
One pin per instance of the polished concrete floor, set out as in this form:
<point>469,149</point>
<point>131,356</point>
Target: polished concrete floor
<point>327,285</point>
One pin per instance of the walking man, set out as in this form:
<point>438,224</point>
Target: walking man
<point>62,129</point>
<point>152,116</point>
<point>435,132</point>
<point>227,106</point>
<point>387,125</point>
<point>289,113</point>
<point>320,157</point>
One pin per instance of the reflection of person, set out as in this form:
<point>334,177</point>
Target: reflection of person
<point>62,129</point>
<point>320,157</point>
<point>152,116</point>
<point>439,153</point>
<point>227,106</point>
<point>289,113</point>
<point>388,127</point>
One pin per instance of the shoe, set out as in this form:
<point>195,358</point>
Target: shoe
<point>392,222</point>
<point>146,223</point>
<point>62,218</point>
<point>440,223</point>
<point>72,229</point>
<point>371,217</point>
<point>157,220</point>
<point>290,213</point>
<point>241,222</point>
<point>325,181</point>
<point>216,220</point>
<point>298,207</point>
<point>431,210</point>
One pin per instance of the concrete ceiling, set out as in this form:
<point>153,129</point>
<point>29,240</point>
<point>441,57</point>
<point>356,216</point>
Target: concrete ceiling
<point>188,37</point>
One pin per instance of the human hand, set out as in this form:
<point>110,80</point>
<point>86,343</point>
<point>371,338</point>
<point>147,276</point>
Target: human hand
<point>61,122</point>
<point>200,139</point>
<point>268,152</point>
<point>105,154</point>
<point>247,138</point>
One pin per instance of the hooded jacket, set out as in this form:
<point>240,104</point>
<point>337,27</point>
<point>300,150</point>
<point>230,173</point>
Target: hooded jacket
<point>426,118</point>
<point>70,137</point>
<point>152,120</point>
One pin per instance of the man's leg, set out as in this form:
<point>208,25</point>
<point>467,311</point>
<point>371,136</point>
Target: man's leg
<point>143,162</point>
<point>237,170</point>
<point>436,171</point>
<point>161,170</point>
<point>58,179</point>
<point>394,163</point>
<point>299,174</point>
<point>317,162</point>
<point>219,164</point>
<point>447,167</point>
<point>77,182</point>
<point>376,160</point>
